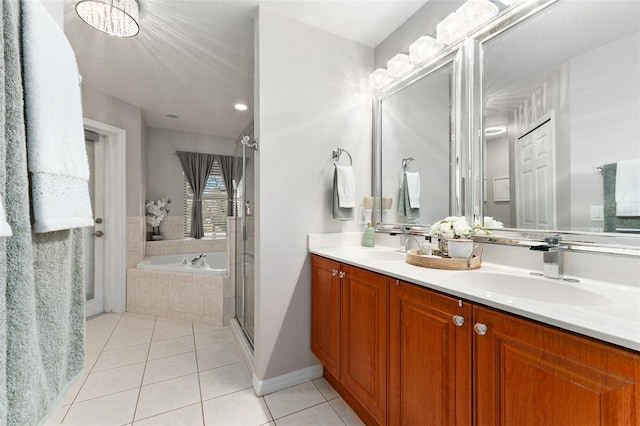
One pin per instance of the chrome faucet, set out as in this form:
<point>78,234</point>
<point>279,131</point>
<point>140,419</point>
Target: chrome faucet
<point>407,243</point>
<point>553,260</point>
<point>195,259</point>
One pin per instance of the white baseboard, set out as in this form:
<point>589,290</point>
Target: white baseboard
<point>274,384</point>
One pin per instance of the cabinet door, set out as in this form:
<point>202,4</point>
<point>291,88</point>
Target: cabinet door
<point>430,358</point>
<point>363,365</point>
<point>531,374</point>
<point>325,313</point>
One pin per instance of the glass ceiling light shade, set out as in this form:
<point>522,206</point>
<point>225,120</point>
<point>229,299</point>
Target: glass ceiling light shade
<point>114,17</point>
<point>450,29</point>
<point>399,65</point>
<point>424,48</point>
<point>476,12</point>
<point>379,78</point>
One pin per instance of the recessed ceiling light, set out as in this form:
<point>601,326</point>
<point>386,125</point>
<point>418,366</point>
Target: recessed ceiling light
<point>495,130</point>
<point>240,107</point>
<point>172,115</point>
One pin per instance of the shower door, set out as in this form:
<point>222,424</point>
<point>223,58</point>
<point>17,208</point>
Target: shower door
<point>244,238</point>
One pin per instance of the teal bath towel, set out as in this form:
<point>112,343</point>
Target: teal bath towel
<point>42,336</point>
<point>612,222</point>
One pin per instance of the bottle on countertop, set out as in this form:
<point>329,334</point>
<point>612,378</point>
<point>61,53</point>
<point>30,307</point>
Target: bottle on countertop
<point>369,238</point>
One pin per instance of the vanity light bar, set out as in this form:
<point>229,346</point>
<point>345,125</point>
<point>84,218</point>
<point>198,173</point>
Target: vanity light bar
<point>458,24</point>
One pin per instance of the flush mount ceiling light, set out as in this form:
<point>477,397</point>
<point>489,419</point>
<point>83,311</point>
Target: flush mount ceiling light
<point>114,17</point>
<point>240,107</point>
<point>495,130</point>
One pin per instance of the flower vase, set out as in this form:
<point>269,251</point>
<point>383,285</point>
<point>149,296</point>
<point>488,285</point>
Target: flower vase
<point>443,247</point>
<point>156,235</point>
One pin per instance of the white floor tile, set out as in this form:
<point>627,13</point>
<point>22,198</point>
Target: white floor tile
<point>321,415</point>
<point>242,408</point>
<point>114,409</point>
<point>137,322</point>
<point>121,357</point>
<point>224,380</point>
<point>90,361</point>
<point>170,347</point>
<point>169,321</point>
<point>111,381</point>
<point>200,327</point>
<point>125,338</point>
<point>170,367</point>
<point>218,356</point>
<point>104,319</point>
<point>293,399</point>
<point>166,396</point>
<point>214,338</point>
<point>56,416</point>
<point>73,391</point>
<point>172,331</point>
<point>345,412</point>
<point>326,389</point>
<point>187,416</point>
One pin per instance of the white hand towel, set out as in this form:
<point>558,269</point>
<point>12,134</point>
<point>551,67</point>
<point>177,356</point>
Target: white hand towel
<point>57,157</point>
<point>346,187</point>
<point>413,187</point>
<point>5,229</point>
<point>628,188</point>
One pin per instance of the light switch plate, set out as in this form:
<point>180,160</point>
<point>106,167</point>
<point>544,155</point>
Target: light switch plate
<point>597,213</point>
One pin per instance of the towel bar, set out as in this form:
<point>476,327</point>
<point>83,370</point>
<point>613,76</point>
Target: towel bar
<point>405,162</point>
<point>338,152</point>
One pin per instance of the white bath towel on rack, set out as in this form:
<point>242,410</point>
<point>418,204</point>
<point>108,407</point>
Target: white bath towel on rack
<point>413,189</point>
<point>5,229</point>
<point>57,157</point>
<point>628,188</point>
<point>346,187</point>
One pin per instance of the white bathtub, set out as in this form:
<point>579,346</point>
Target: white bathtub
<point>216,263</point>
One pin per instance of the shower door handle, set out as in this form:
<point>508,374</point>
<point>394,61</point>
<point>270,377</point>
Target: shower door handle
<point>98,234</point>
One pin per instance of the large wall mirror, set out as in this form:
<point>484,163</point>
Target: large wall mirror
<point>415,148</point>
<point>561,100</point>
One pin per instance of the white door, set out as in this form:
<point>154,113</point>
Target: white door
<point>535,176</point>
<point>94,237</point>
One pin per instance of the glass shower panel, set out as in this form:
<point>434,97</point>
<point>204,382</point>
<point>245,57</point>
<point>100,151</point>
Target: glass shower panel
<point>244,238</point>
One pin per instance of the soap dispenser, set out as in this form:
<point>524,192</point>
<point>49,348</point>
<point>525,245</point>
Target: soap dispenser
<point>369,239</point>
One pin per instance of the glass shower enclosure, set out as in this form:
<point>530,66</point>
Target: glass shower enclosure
<point>244,231</point>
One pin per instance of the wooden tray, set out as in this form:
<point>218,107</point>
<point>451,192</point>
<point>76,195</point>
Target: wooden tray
<point>414,258</point>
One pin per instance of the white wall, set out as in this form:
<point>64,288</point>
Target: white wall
<point>604,94</point>
<point>164,176</point>
<point>423,22</point>
<point>109,110</point>
<point>311,96</point>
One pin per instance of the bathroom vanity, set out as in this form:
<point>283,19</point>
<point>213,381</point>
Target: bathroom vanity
<point>406,345</point>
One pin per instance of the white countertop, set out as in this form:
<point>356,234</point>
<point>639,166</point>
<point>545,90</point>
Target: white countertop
<point>614,317</point>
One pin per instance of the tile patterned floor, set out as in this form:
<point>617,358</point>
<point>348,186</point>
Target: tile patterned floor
<point>149,371</point>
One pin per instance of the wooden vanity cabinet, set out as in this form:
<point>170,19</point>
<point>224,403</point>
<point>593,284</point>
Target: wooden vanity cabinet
<point>429,357</point>
<point>349,334</point>
<point>325,313</point>
<point>527,373</point>
<point>492,369</point>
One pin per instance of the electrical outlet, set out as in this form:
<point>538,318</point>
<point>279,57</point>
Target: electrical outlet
<point>597,213</point>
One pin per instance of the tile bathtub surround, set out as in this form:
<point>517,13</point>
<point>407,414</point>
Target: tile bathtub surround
<point>183,296</point>
<point>145,370</point>
<point>135,240</point>
<point>185,245</point>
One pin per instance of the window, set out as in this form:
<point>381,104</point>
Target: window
<point>214,204</point>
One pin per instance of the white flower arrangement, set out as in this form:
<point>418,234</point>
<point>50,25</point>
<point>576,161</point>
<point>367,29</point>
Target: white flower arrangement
<point>458,227</point>
<point>156,211</point>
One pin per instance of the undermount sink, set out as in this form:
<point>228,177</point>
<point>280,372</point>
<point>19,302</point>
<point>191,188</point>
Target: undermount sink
<point>530,287</point>
<point>380,255</point>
